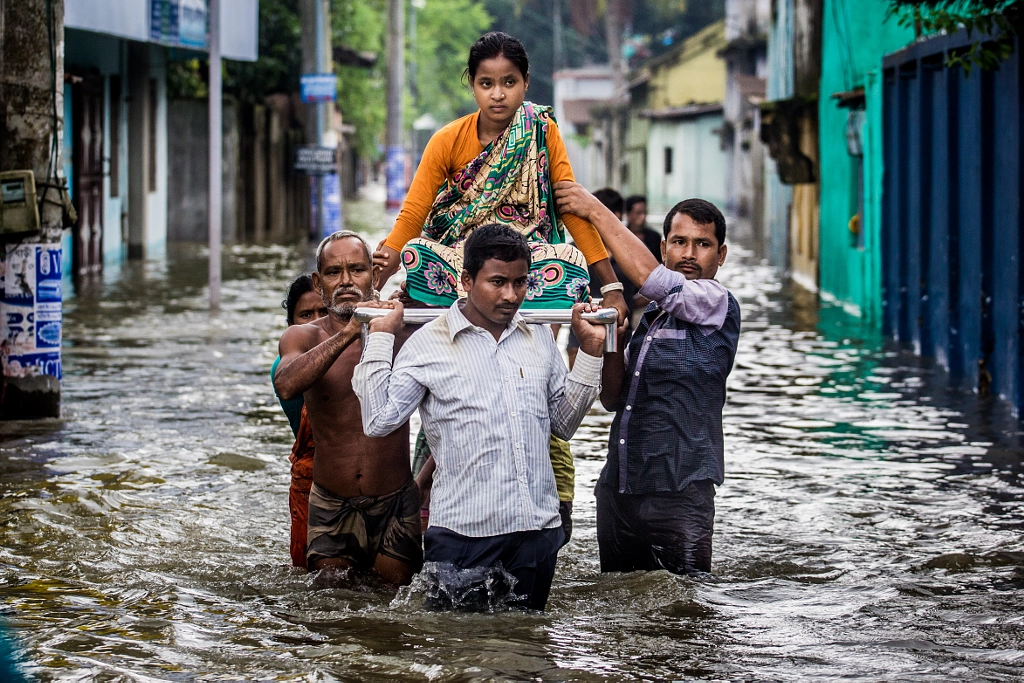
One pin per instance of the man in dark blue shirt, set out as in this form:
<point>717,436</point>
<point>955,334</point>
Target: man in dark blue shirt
<point>655,496</point>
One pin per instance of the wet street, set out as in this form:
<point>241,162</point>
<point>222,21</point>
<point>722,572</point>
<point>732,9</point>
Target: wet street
<point>869,526</point>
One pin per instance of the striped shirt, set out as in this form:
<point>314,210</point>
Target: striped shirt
<point>488,409</point>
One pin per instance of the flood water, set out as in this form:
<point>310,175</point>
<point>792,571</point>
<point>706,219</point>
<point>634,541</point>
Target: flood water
<point>869,527</point>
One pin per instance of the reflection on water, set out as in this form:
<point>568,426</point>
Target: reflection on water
<point>870,524</point>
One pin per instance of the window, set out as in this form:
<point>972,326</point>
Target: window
<point>668,160</point>
<point>115,136</point>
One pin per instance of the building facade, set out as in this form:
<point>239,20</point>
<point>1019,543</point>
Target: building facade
<point>679,95</point>
<point>789,131</point>
<point>116,117</point>
<point>580,95</point>
<point>856,35</point>
<point>746,28</point>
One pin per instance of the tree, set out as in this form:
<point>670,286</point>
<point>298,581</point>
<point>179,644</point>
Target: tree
<point>445,31</point>
<point>360,25</point>
<point>995,23</point>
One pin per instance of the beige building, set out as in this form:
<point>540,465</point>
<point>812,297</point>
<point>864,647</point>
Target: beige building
<point>674,146</point>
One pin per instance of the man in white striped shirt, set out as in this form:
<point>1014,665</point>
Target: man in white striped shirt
<point>490,389</point>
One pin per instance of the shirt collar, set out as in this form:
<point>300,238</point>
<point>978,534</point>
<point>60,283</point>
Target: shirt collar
<point>457,322</point>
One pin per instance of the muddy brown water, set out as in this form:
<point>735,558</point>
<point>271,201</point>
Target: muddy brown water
<point>869,527</point>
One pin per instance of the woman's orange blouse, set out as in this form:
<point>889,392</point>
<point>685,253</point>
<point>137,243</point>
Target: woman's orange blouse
<point>451,149</point>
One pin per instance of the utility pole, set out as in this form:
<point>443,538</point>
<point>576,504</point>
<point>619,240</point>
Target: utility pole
<point>559,47</point>
<point>394,141</point>
<point>414,7</point>
<point>613,36</point>
<point>316,59</point>
<point>31,122</point>
<point>216,153</point>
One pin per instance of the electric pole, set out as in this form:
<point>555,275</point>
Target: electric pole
<point>216,153</point>
<point>31,122</point>
<point>394,140</point>
<point>316,60</point>
<point>613,36</point>
<point>559,48</point>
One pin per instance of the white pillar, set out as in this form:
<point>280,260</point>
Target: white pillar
<point>216,153</point>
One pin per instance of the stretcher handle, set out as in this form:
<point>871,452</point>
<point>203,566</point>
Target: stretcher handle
<point>608,317</point>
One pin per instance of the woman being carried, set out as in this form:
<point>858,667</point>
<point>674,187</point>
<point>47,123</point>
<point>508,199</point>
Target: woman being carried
<point>494,166</point>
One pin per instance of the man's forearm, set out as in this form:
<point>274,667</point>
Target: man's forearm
<point>612,375</point>
<point>631,254</point>
<point>385,404</point>
<point>298,375</point>
<point>582,387</point>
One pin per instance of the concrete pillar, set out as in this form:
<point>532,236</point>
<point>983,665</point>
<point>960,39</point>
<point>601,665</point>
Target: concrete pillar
<point>138,148</point>
<point>31,122</point>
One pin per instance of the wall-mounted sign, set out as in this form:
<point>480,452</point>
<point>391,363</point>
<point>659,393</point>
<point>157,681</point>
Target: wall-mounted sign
<point>181,23</point>
<point>319,88</point>
<point>314,160</point>
<point>31,290</point>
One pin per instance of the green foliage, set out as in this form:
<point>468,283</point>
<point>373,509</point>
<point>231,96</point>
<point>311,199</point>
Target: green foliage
<point>361,25</point>
<point>187,79</point>
<point>445,29</point>
<point>275,71</point>
<point>993,23</point>
<point>279,64</point>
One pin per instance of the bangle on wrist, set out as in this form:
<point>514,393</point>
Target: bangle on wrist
<point>612,287</point>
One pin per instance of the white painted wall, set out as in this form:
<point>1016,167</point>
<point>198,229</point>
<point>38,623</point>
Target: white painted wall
<point>699,164</point>
<point>122,18</point>
<point>239,21</point>
<point>130,19</point>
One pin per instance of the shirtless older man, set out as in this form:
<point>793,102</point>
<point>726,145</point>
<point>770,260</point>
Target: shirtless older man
<point>364,506</point>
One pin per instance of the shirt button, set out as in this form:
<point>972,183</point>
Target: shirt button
<point>650,338</point>
<point>636,374</point>
<point>506,378</point>
<point>622,441</point>
<point>513,413</point>
<point>627,408</point>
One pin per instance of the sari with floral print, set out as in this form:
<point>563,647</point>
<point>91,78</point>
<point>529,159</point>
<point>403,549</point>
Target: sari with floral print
<point>507,183</point>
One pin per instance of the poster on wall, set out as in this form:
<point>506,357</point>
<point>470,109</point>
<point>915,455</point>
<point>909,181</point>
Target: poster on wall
<point>31,308</point>
<point>179,23</point>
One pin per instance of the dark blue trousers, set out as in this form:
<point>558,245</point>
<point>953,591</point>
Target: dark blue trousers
<point>527,555</point>
<point>649,531</point>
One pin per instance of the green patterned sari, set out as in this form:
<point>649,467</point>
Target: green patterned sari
<point>507,183</point>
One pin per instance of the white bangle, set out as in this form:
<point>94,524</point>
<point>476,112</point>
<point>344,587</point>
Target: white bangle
<point>612,287</point>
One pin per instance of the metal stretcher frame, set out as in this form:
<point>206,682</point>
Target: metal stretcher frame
<point>608,317</point>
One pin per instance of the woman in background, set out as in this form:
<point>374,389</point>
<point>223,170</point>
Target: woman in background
<point>303,305</point>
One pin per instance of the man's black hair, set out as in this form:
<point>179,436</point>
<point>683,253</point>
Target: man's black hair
<point>634,199</point>
<point>296,289</point>
<point>610,198</point>
<point>494,241</point>
<point>702,212</point>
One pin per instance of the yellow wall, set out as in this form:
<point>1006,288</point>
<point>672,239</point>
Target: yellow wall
<point>695,74</point>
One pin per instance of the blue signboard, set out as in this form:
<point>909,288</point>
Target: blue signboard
<point>318,88</point>
<point>32,287</point>
<point>395,170</point>
<point>332,204</point>
<point>179,23</point>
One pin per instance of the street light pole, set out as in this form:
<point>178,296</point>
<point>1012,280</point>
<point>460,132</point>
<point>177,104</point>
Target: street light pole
<point>215,154</point>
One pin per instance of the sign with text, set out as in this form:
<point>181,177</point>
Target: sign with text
<point>179,23</point>
<point>318,88</point>
<point>314,160</point>
<point>31,288</point>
